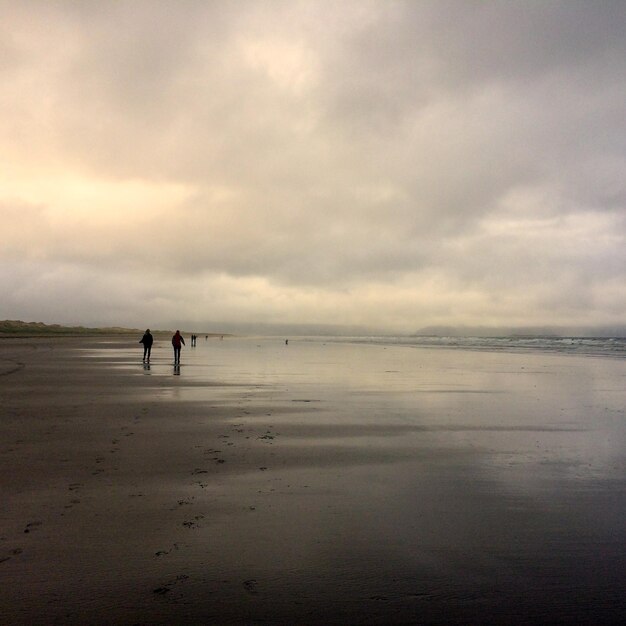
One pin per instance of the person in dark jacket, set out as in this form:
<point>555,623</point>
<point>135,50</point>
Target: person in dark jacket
<point>177,340</point>
<point>147,341</point>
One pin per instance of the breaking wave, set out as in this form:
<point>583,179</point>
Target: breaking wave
<point>592,346</point>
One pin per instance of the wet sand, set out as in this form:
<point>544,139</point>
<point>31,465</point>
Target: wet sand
<point>309,484</point>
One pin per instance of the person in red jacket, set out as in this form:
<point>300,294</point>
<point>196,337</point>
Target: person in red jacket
<point>177,341</point>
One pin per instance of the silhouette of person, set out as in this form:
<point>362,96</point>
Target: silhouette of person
<point>147,341</point>
<point>177,341</point>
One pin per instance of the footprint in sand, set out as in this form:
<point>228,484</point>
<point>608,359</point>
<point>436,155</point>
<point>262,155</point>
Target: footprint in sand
<point>32,526</point>
<point>182,503</point>
<point>192,523</point>
<point>166,588</point>
<point>14,552</point>
<point>164,552</point>
<point>250,585</point>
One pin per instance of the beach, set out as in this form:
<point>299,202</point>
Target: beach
<point>318,482</point>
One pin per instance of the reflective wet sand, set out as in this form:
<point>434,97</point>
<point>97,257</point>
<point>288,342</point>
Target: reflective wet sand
<point>312,483</point>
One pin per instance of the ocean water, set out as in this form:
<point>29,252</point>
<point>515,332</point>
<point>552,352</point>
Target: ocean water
<point>593,346</point>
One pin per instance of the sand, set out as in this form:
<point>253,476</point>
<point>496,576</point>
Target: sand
<point>312,483</point>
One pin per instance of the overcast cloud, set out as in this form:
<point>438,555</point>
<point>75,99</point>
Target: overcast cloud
<point>392,164</point>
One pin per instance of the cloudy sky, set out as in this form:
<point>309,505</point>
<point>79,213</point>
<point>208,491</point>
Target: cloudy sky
<point>389,164</point>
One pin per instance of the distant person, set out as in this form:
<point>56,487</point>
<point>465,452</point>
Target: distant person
<point>147,341</point>
<point>286,342</point>
<point>177,341</point>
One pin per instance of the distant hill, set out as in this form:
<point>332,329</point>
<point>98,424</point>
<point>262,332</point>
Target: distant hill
<point>15,328</point>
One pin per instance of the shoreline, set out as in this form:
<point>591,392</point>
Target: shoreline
<point>310,484</point>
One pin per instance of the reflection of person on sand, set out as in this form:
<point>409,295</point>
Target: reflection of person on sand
<point>177,340</point>
<point>147,341</point>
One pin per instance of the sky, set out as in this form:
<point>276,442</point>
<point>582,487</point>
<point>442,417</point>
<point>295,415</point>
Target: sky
<point>385,164</point>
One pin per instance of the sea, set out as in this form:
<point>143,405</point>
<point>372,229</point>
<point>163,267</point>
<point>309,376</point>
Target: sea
<point>592,346</point>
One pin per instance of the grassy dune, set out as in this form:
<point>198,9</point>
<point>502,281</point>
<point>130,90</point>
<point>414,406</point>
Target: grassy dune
<point>17,328</point>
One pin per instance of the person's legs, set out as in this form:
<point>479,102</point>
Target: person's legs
<point>149,349</point>
<point>176,355</point>
<point>145,351</point>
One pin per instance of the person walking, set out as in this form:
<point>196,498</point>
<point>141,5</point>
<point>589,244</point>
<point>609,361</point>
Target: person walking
<point>147,341</point>
<point>177,341</point>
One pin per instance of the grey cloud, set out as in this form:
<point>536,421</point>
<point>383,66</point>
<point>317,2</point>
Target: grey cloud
<point>458,45</point>
<point>333,146</point>
<point>557,66</point>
